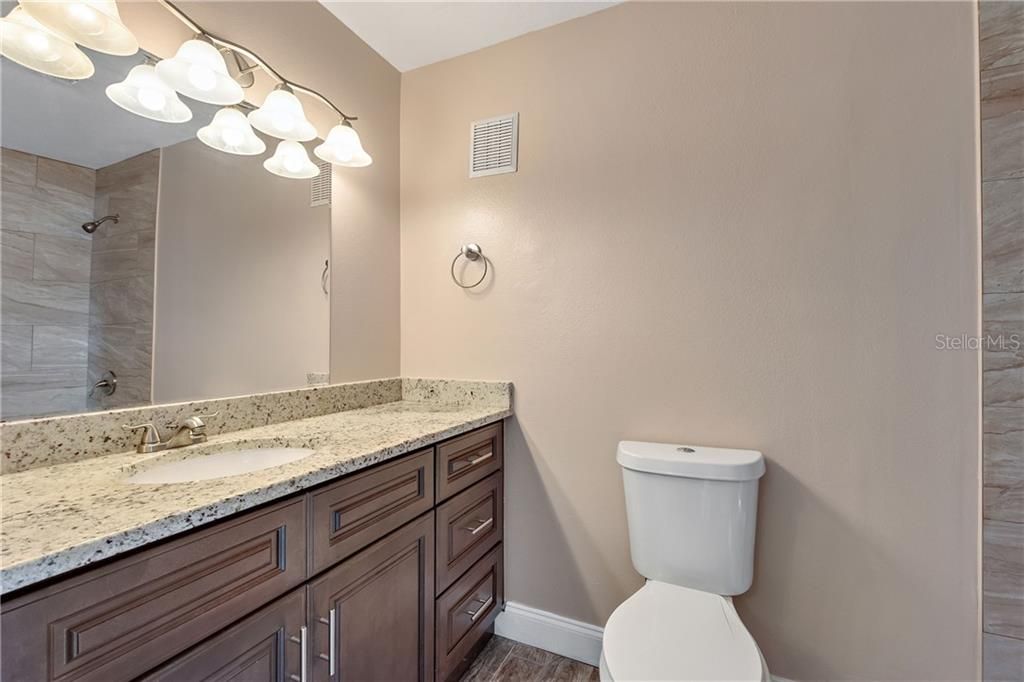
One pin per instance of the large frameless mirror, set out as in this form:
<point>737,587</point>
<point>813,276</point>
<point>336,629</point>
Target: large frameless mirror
<point>141,265</point>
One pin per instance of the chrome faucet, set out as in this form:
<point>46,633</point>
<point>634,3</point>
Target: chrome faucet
<point>191,431</point>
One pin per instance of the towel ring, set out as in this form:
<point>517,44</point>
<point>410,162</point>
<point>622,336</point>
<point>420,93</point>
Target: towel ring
<point>472,252</point>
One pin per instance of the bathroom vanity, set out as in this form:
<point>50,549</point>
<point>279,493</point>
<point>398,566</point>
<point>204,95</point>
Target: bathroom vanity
<point>389,571</point>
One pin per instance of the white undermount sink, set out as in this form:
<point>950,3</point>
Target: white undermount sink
<point>218,465</point>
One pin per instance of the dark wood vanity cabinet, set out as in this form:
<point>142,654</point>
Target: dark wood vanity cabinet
<point>350,514</point>
<point>264,647</point>
<point>466,612</point>
<point>391,573</point>
<point>471,457</point>
<point>121,620</point>
<point>468,526</point>
<point>372,615</point>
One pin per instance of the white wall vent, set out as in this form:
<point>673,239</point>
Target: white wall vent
<point>320,186</point>
<point>494,145</point>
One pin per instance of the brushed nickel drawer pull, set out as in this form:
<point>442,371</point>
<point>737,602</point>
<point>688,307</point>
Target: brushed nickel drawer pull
<point>483,524</point>
<point>473,461</point>
<point>485,604</point>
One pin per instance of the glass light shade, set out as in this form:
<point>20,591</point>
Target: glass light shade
<point>96,24</point>
<point>360,160</point>
<point>25,41</point>
<point>197,70</point>
<point>291,161</point>
<point>145,94</point>
<point>343,147</point>
<point>282,116</point>
<point>230,132</point>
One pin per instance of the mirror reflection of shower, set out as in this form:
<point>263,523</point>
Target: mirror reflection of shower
<point>91,226</point>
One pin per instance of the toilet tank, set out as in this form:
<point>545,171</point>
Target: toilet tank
<point>692,513</point>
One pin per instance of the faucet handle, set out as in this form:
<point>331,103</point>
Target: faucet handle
<point>150,434</point>
<point>197,422</point>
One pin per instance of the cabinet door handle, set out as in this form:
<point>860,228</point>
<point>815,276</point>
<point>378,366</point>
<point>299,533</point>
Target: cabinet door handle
<point>302,642</point>
<point>332,632</point>
<point>483,524</point>
<point>485,604</point>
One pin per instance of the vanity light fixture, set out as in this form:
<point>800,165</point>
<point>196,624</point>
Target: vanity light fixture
<point>343,147</point>
<point>95,24</point>
<point>197,70</point>
<point>230,132</point>
<point>144,93</point>
<point>25,41</point>
<point>291,161</point>
<point>41,35</point>
<point>282,116</point>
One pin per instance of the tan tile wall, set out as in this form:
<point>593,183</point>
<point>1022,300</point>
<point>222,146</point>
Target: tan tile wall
<point>1001,43</point>
<point>121,281</point>
<point>44,313</point>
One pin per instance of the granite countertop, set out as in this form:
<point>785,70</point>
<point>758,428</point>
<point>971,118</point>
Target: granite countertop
<point>62,517</point>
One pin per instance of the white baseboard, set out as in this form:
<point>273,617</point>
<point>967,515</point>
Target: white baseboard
<point>551,632</point>
<point>557,634</point>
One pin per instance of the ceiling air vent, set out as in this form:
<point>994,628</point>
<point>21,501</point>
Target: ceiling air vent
<point>493,145</point>
<point>320,186</point>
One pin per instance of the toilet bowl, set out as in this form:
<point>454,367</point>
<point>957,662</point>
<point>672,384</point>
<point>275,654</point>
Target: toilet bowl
<point>692,513</point>
<point>668,632</point>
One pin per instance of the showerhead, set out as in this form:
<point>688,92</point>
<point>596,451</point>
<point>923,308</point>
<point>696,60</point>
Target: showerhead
<point>91,226</point>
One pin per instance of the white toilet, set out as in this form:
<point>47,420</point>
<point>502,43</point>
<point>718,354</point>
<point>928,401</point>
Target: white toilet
<point>692,513</point>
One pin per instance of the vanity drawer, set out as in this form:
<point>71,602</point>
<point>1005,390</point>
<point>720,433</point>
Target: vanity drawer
<point>463,461</point>
<point>466,612</point>
<point>468,525</point>
<point>357,510</point>
<point>117,622</point>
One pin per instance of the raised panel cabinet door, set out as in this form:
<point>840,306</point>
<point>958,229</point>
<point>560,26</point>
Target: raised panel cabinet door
<point>123,619</point>
<point>372,616</point>
<point>265,647</point>
<point>359,509</point>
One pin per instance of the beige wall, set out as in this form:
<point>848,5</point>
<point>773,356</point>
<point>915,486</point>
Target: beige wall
<point>733,224</point>
<point>305,42</point>
<point>239,306</point>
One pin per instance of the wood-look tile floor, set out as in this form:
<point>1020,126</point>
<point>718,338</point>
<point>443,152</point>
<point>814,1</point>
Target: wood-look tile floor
<point>503,660</point>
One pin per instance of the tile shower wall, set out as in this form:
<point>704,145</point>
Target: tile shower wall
<point>44,312</point>
<point>1001,51</point>
<point>121,281</point>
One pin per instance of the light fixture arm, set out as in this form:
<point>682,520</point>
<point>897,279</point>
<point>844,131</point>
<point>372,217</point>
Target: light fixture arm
<point>252,57</point>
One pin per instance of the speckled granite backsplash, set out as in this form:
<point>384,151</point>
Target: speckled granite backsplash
<point>455,392</point>
<point>57,440</point>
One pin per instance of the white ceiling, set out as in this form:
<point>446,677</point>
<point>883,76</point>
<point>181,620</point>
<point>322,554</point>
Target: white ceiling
<point>74,122</point>
<point>414,34</point>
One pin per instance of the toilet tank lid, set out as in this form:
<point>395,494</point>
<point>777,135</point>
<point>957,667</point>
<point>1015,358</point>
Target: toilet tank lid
<point>691,461</point>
